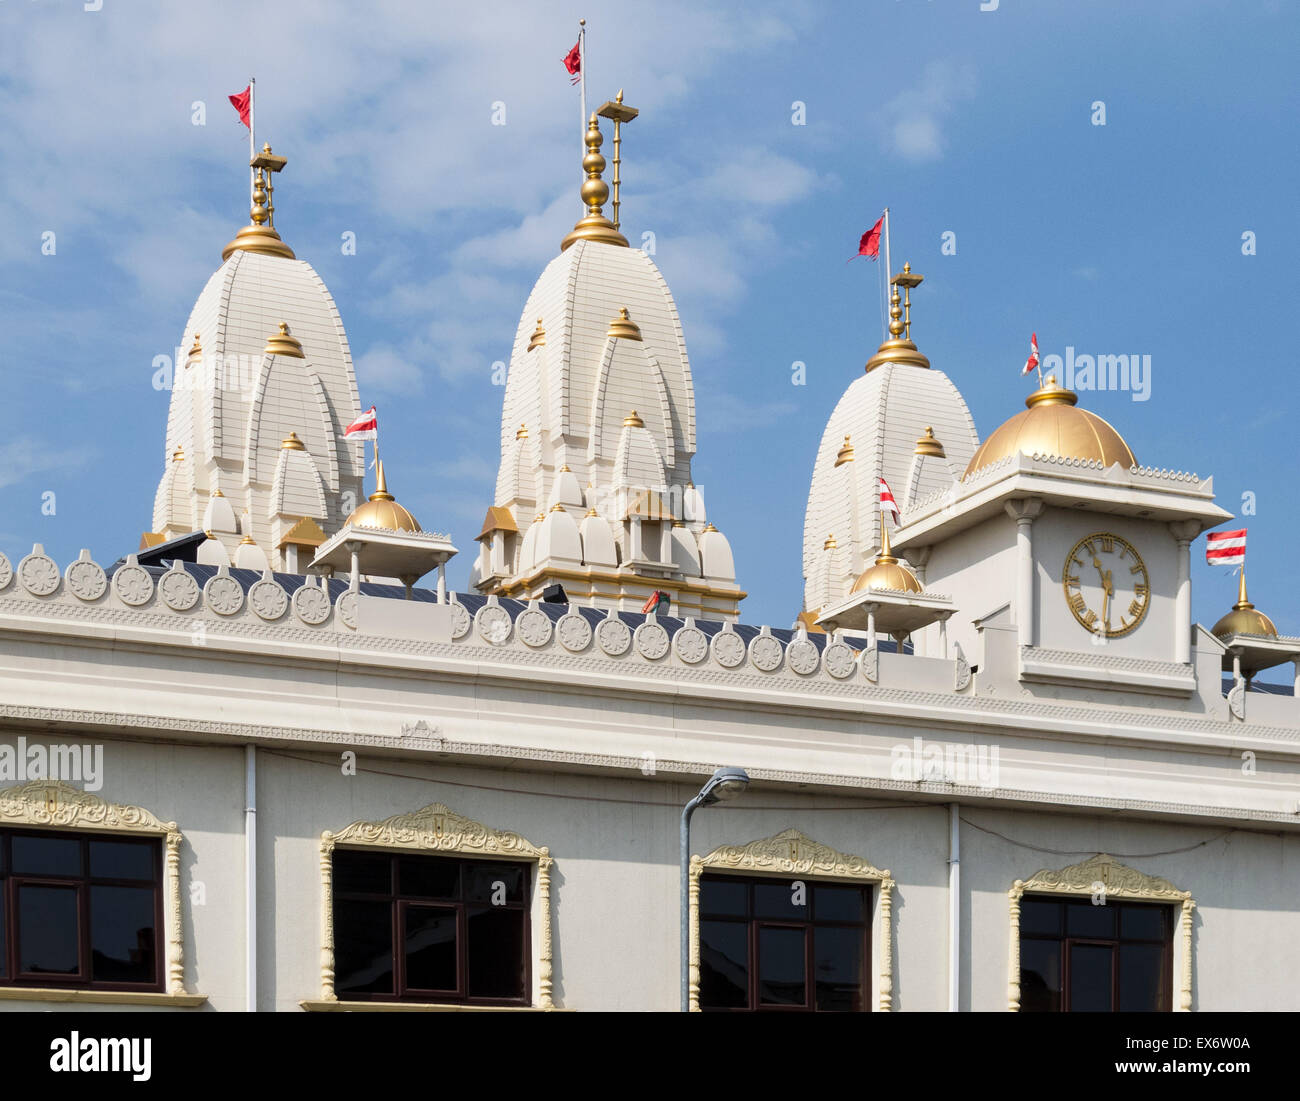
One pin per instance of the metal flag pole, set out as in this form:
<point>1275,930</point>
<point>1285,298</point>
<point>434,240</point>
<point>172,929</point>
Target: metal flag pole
<point>889,271</point>
<point>582,80</point>
<point>884,324</point>
<point>252,135</point>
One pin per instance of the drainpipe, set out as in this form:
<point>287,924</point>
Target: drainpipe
<point>954,909</point>
<point>250,872</point>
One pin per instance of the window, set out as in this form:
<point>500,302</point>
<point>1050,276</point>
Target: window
<point>422,928</point>
<point>1077,957</point>
<point>80,910</point>
<point>784,944</point>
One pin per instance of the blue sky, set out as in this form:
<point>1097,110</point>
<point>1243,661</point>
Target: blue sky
<point>1122,238</point>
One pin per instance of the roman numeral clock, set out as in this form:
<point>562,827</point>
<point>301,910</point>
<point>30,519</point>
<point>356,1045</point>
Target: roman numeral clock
<point>1106,584</point>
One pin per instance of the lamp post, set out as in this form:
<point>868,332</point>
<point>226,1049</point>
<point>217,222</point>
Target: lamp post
<point>725,784</point>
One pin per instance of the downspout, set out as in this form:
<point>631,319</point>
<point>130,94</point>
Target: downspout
<point>954,909</point>
<point>250,872</point>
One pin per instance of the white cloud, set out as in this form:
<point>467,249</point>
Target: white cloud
<point>384,370</point>
<point>914,118</point>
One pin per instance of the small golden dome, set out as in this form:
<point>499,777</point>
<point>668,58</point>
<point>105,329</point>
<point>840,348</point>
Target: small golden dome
<point>592,512</point>
<point>633,420</point>
<point>522,434</point>
<point>292,443</point>
<point>217,492</point>
<point>178,455</point>
<point>845,454</point>
<point>539,518</point>
<point>382,509</point>
<point>830,543</point>
<point>538,338</point>
<point>282,344</point>
<point>196,349</point>
<point>928,445</point>
<point>1244,619</point>
<point>247,540</point>
<point>565,469</point>
<point>623,327</point>
<point>1052,424</point>
<point>887,572</point>
<point>557,507</point>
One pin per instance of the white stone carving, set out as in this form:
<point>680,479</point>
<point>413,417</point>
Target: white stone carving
<point>223,594</point>
<point>85,579</point>
<point>728,649</point>
<point>838,658</point>
<point>765,653</point>
<point>691,644</point>
<point>132,583</point>
<point>180,592</point>
<point>460,621</point>
<point>801,655</point>
<point>6,572</point>
<point>534,627</point>
<point>493,624</point>
<point>613,636</point>
<point>574,632</point>
<point>311,605</point>
<point>651,641</point>
<point>961,676</point>
<point>38,573</point>
<point>268,598</point>
<point>870,662</point>
<point>346,606</point>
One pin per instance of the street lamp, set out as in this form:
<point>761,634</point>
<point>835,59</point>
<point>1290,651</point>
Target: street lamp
<point>723,785</point>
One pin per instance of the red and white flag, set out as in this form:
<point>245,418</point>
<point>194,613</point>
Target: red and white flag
<point>658,603</point>
<point>869,245</point>
<point>365,427</point>
<point>1033,361</point>
<point>573,62</point>
<point>887,502</point>
<point>1226,548</point>
<point>241,103</point>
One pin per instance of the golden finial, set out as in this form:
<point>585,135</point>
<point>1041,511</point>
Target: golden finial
<point>557,507</point>
<point>886,555</point>
<point>261,235</point>
<point>899,347</point>
<point>845,453</point>
<point>928,445</point>
<point>283,344</point>
<point>830,543</point>
<point>247,540</point>
<point>538,338</point>
<point>381,484</point>
<point>217,492</point>
<point>633,420</point>
<point>594,226</point>
<point>679,523</point>
<point>623,327</point>
<point>196,349</point>
<point>565,469</point>
<point>592,512</point>
<point>292,443</point>
<point>619,113</point>
<point>709,526</point>
<point>539,518</point>
<point>1243,603</point>
<point>178,456</point>
<point>522,434</point>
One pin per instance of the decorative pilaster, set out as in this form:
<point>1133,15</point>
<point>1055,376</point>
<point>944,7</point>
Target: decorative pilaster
<point>693,987</point>
<point>327,919</point>
<point>1024,513</point>
<point>1185,993</point>
<point>1183,531</point>
<point>886,944</point>
<point>175,936</point>
<point>1013,949</point>
<point>544,975</point>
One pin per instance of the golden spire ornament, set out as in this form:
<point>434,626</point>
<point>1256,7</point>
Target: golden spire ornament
<point>618,112</point>
<point>594,226</point>
<point>260,235</point>
<point>899,347</point>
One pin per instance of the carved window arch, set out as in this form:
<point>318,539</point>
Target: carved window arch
<point>435,829</point>
<point>791,854</point>
<point>57,805</point>
<point>1120,882</point>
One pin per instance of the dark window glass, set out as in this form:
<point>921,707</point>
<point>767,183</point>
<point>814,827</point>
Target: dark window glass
<point>1039,915</point>
<point>724,896</point>
<point>781,965</point>
<point>495,884</point>
<point>122,934</point>
<point>362,873</point>
<point>1141,977</point>
<point>428,878</point>
<point>1091,978</point>
<point>497,967</point>
<point>122,860</point>
<point>835,903</point>
<point>724,964</point>
<point>1040,976</point>
<point>431,948</point>
<point>49,855</point>
<point>1083,919</point>
<point>48,930</point>
<point>363,947</point>
<point>837,968</point>
<point>776,899</point>
<point>4,936</point>
<point>1143,922</point>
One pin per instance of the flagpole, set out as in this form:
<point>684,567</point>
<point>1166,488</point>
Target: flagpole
<point>582,79</point>
<point>252,138</point>
<point>889,271</point>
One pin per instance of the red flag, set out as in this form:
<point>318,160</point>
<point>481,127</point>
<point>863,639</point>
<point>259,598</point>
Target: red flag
<point>365,427</point>
<point>659,601</point>
<point>1226,548</point>
<point>573,62</point>
<point>1033,360</point>
<point>870,243</point>
<point>887,502</point>
<point>241,104</point>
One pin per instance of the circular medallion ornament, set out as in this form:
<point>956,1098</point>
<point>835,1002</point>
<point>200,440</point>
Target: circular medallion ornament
<point>180,592</point>
<point>691,645</point>
<point>801,656</point>
<point>6,572</point>
<point>268,598</point>
<point>224,595</point>
<point>311,605</point>
<point>765,653</point>
<point>728,649</point>
<point>86,580</point>
<point>38,574</point>
<point>494,624</point>
<point>613,637</point>
<point>838,659</point>
<point>460,621</point>
<point>534,627</point>
<point>133,585</point>
<point>651,641</point>
<point>574,632</point>
<point>346,606</point>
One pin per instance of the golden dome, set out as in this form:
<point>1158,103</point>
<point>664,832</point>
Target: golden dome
<point>845,453</point>
<point>382,510</point>
<point>887,572</point>
<point>623,327</point>
<point>538,338</point>
<point>830,543</point>
<point>283,344</point>
<point>292,443</point>
<point>1244,619</point>
<point>522,434</point>
<point>633,420</point>
<point>1052,424</point>
<point>928,445</point>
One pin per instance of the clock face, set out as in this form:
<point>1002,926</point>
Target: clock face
<point>1106,584</point>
